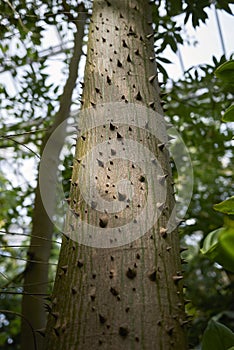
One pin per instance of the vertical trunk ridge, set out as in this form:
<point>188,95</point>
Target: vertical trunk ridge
<point>130,296</point>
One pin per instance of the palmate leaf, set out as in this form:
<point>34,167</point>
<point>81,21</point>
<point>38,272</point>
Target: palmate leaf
<point>217,337</point>
<point>195,9</point>
<point>174,7</point>
<point>224,5</point>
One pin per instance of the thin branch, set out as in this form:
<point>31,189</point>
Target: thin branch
<point>15,279</point>
<point>5,276</point>
<point>23,133</point>
<point>25,293</point>
<point>17,15</point>
<point>26,320</point>
<point>27,284</point>
<point>21,144</point>
<point>29,235</point>
<point>27,260</point>
<point>18,246</point>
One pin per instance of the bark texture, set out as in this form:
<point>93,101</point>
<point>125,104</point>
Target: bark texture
<point>127,297</point>
<point>36,272</point>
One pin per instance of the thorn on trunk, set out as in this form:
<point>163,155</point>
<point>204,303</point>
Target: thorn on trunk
<point>123,331</point>
<point>148,36</point>
<point>151,79</point>
<point>176,279</point>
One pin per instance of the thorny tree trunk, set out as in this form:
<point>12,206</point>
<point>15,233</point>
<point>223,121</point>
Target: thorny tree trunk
<point>128,297</point>
<point>36,272</point>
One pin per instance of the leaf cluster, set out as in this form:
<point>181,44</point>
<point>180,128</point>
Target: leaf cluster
<point>195,105</point>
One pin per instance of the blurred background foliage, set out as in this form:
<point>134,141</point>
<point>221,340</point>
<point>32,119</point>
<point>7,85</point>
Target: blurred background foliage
<point>29,101</point>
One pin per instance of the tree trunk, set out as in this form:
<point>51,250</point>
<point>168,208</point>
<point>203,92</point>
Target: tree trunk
<point>113,291</point>
<point>36,272</point>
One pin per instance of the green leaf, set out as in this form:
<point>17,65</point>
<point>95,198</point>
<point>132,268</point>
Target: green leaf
<point>226,207</point>
<point>163,59</point>
<point>217,337</point>
<point>225,72</point>
<point>224,5</point>
<point>226,242</point>
<point>174,7</point>
<point>210,243</point>
<point>218,246</point>
<point>196,10</point>
<point>229,114</point>
<point>172,42</point>
<point>163,71</point>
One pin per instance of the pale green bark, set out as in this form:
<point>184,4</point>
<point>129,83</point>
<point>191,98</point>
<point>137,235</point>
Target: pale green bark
<point>128,297</point>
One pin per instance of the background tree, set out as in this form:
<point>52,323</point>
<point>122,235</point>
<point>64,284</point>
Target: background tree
<point>37,269</point>
<point>35,275</point>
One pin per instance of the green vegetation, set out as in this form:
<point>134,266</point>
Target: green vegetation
<point>199,105</point>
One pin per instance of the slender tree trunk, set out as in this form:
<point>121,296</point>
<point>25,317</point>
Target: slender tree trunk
<point>126,296</point>
<point>36,272</point>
